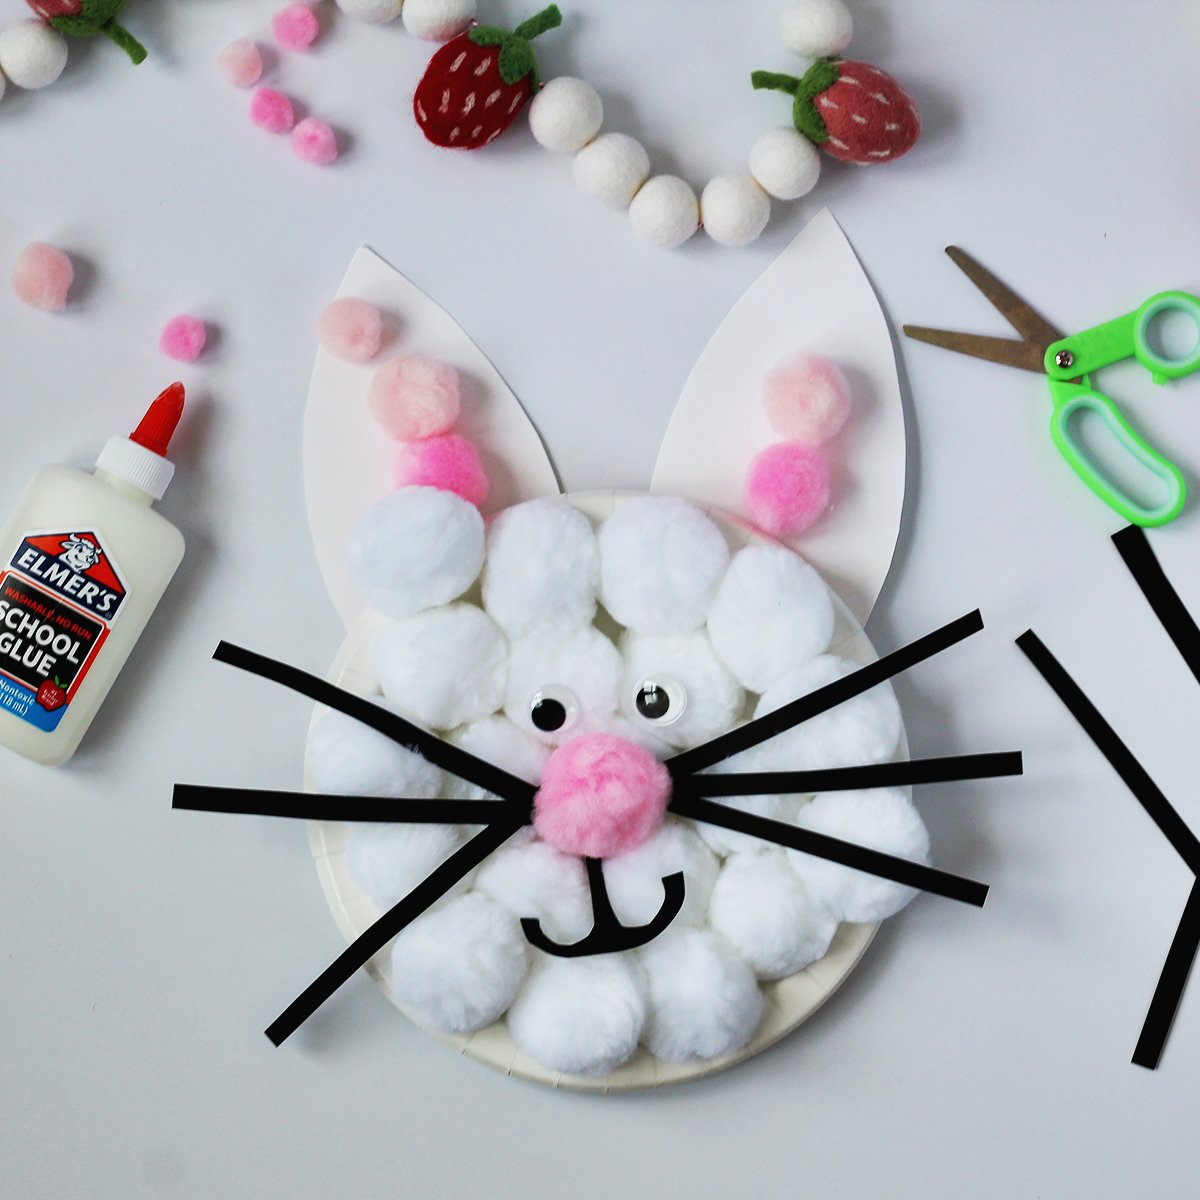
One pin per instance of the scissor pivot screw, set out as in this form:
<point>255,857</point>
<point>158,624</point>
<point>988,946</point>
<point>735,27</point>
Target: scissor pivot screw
<point>1064,358</point>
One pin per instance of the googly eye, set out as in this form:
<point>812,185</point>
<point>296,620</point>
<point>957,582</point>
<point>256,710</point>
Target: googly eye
<point>553,708</point>
<point>661,699</point>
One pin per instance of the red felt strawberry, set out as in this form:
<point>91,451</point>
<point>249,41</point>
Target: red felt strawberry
<point>87,18</point>
<point>852,110</point>
<point>50,695</point>
<point>477,82</point>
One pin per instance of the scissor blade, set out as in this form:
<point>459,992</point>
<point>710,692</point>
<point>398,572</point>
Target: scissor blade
<point>1015,311</point>
<point>1010,351</point>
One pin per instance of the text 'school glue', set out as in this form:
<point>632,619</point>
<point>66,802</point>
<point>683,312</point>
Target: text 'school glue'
<point>83,562</point>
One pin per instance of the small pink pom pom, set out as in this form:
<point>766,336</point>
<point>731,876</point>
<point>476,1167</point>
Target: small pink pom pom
<point>449,462</point>
<point>787,488</point>
<point>271,110</point>
<point>807,399</point>
<point>183,338</point>
<point>351,329</point>
<point>315,142</point>
<point>43,276</point>
<point>415,397</point>
<point>295,27</point>
<point>241,63</point>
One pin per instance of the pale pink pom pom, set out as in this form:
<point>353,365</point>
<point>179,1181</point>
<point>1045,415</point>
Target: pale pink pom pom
<point>241,63</point>
<point>43,276</point>
<point>271,110</point>
<point>449,462</point>
<point>600,796</point>
<point>295,27</point>
<point>807,399</point>
<point>183,338</point>
<point>415,397</point>
<point>351,329</point>
<point>314,142</point>
<point>787,488</point>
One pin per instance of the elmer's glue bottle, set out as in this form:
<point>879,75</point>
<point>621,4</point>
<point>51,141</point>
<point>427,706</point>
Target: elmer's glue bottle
<point>84,561</point>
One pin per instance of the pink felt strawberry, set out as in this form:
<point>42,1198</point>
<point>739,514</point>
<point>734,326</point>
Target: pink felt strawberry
<point>477,82</point>
<point>852,110</point>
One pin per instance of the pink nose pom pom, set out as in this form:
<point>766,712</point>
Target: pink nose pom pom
<point>183,338</point>
<point>807,399</point>
<point>415,397</point>
<point>351,329</point>
<point>43,276</point>
<point>449,462</point>
<point>787,488</point>
<point>271,110</point>
<point>314,142</point>
<point>241,63</point>
<point>600,796</point>
<point>295,27</point>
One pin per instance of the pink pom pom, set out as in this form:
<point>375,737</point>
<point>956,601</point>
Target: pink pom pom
<point>315,142</point>
<point>295,27</point>
<point>351,329</point>
<point>450,462</point>
<point>183,338</point>
<point>807,399</point>
<point>43,276</point>
<point>600,796</point>
<point>787,488</point>
<point>271,110</point>
<point>241,63</point>
<point>415,397</point>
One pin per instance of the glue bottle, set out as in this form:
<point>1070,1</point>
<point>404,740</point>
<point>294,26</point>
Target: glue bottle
<point>84,561</point>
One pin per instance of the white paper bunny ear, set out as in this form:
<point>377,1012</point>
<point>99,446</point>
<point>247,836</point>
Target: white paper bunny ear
<point>815,297</point>
<point>348,460</point>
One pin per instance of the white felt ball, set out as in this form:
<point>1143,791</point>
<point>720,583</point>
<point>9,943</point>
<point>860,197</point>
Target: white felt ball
<point>634,880</point>
<point>32,54</point>
<point>566,114</point>
<point>785,163</point>
<point>583,1016</point>
<point>704,1001</point>
<point>533,879</point>
<point>497,741</point>
<point>612,168</point>
<point>665,211</point>
<point>543,567</point>
<point>883,819</point>
<point>772,614</point>
<point>437,20</point>
<point>734,210</point>
<point>374,12</point>
<point>387,861</point>
<point>817,28</point>
<point>349,758</point>
<point>768,916</point>
<point>418,548</point>
<point>661,559</point>
<point>444,667</point>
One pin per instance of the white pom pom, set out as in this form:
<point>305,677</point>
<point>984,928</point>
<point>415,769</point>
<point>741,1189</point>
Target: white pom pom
<point>32,54</point>
<point>767,914</point>
<point>388,861</point>
<point>566,114</point>
<point>458,967</point>
<point>418,548</point>
<point>883,819</point>
<point>724,842</point>
<point>816,28</point>
<point>373,12</point>
<point>498,741</point>
<point>582,1016</point>
<point>350,758</point>
<point>534,879</point>
<point>785,163</point>
<point>437,20</point>
<point>444,667</point>
<point>734,210</point>
<point>634,880</point>
<point>704,1001</point>
<point>665,211</point>
<point>543,567</point>
<point>772,614</point>
<point>661,559</point>
<point>612,168</point>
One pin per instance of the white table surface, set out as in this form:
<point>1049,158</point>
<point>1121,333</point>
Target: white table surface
<point>981,1053</point>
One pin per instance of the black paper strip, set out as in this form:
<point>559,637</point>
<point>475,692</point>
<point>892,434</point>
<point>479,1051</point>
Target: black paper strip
<point>1171,983</point>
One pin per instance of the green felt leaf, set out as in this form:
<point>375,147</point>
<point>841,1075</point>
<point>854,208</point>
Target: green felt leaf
<point>489,35</point>
<point>516,62</point>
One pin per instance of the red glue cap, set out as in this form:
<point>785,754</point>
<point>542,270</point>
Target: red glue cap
<point>156,428</point>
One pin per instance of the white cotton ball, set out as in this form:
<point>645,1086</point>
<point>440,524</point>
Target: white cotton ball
<point>437,20</point>
<point>785,163</point>
<point>582,1016</point>
<point>32,53</point>
<point>883,819</point>
<point>724,842</point>
<point>734,210</point>
<point>816,28</point>
<point>621,726</point>
<point>444,667</point>
<point>418,548</point>
<point>768,916</point>
<point>543,568</point>
<point>634,880</point>
<point>457,968</point>
<point>612,168</point>
<point>865,729</point>
<point>665,211</point>
<point>772,614</point>
<point>533,879</point>
<point>661,559</point>
<point>566,114</point>
<point>497,741</point>
<point>387,861</point>
<point>373,12</point>
<point>349,758</point>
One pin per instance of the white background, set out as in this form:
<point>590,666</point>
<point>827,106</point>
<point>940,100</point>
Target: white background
<point>981,1053</point>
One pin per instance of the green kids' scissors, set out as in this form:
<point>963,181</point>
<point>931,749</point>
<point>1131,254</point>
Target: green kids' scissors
<point>1067,363</point>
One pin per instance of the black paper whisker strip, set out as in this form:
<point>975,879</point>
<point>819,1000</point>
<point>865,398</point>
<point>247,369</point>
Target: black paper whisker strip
<point>430,747</point>
<point>1169,991</point>
<point>371,941</point>
<point>821,845</point>
<point>824,698</point>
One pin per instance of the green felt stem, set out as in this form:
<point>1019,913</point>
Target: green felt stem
<point>122,37</point>
<point>516,61</point>
<point>549,18</point>
<point>775,82</point>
